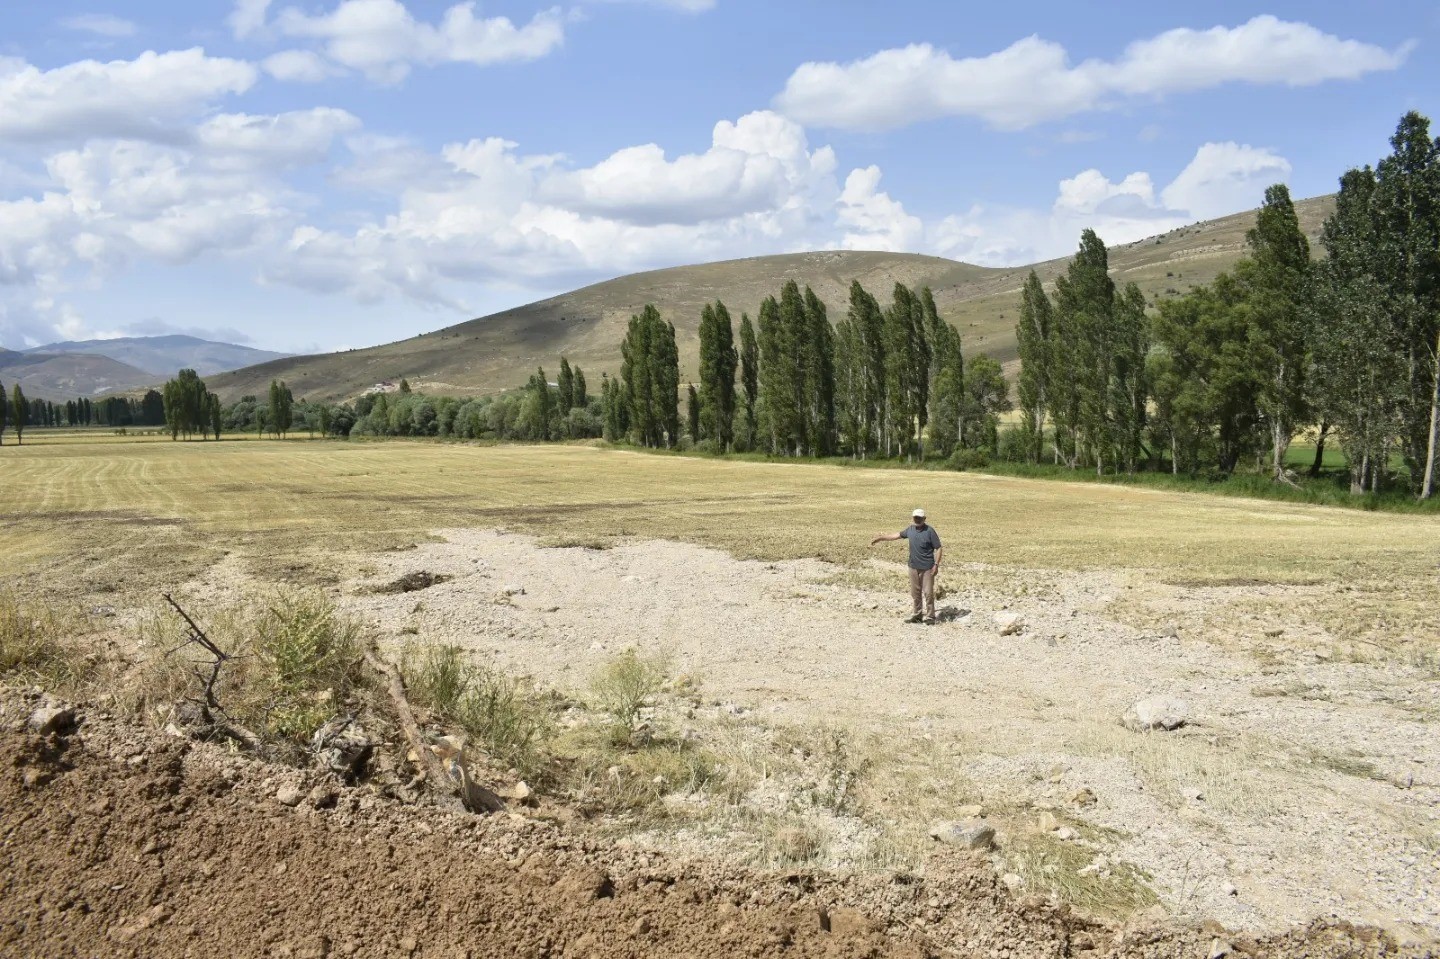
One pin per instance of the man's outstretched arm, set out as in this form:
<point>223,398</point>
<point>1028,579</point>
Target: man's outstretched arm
<point>884,537</point>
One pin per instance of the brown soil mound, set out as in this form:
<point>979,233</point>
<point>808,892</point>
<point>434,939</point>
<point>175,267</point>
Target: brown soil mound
<point>121,842</point>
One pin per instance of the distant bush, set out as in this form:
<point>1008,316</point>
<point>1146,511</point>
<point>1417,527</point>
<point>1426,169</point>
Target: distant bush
<point>968,459</point>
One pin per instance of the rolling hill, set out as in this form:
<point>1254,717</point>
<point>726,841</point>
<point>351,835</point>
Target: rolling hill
<point>499,352</point>
<point>65,376</point>
<point>163,356</point>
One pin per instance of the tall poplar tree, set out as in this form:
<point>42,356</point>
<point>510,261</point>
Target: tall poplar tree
<point>19,412</point>
<point>718,360</point>
<point>1406,205</point>
<point>692,412</point>
<point>901,371</point>
<point>4,413</point>
<point>1280,319</point>
<point>776,371</point>
<point>1033,335</point>
<point>565,387</point>
<point>819,362</point>
<point>749,376</point>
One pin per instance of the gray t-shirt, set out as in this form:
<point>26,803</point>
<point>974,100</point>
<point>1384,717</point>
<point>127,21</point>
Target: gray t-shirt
<point>924,541</point>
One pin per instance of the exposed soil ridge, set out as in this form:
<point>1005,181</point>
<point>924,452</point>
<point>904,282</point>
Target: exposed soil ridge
<point>120,841</point>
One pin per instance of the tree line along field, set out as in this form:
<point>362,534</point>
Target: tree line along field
<point>119,514</point>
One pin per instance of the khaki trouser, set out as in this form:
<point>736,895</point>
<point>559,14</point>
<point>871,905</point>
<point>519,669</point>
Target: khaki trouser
<point>922,585</point>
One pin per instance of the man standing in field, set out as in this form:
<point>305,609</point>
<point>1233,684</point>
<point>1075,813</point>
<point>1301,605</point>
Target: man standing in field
<point>925,555</point>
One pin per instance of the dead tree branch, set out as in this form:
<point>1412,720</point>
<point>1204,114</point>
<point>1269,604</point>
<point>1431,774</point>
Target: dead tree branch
<point>195,636</point>
<point>453,787</point>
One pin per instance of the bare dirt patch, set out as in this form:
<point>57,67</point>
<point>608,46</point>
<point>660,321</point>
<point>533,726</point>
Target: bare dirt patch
<point>1252,814</point>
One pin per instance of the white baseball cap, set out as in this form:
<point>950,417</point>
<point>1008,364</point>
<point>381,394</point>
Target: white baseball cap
<point>918,512</point>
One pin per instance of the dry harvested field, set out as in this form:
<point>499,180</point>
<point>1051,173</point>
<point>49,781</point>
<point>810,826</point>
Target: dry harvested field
<point>829,736</point>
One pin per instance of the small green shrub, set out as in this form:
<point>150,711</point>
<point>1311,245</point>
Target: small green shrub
<point>626,684</point>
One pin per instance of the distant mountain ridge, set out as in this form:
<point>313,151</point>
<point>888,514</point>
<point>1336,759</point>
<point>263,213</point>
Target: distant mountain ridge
<point>64,376</point>
<point>164,356</point>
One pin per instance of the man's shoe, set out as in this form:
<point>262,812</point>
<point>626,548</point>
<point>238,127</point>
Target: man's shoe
<point>915,619</point>
<point>930,620</point>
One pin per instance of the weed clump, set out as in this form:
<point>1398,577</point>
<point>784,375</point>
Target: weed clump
<point>34,644</point>
<point>500,712</point>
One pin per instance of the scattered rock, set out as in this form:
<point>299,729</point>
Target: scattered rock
<point>1275,632</point>
<point>411,582</point>
<point>1012,882</point>
<point>1157,712</point>
<point>1009,623</point>
<point>970,834</point>
<point>1047,822</point>
<point>1229,889</point>
<point>1066,834</point>
<point>289,796</point>
<point>1084,796</point>
<point>324,796</point>
<point>1219,949</point>
<point>1169,631</point>
<point>513,591</point>
<point>972,811</point>
<point>1193,793</point>
<point>52,718</point>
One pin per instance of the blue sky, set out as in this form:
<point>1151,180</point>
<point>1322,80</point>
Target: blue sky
<point>319,174</point>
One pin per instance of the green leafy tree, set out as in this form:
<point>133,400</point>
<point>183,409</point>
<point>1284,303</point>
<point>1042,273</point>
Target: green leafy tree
<point>692,411</point>
<point>183,402</point>
<point>987,396</point>
<point>404,385</point>
<point>578,394</point>
<point>1203,378</point>
<point>819,372</point>
<point>749,376</point>
<point>902,368</point>
<point>4,413</point>
<point>718,362</point>
<point>776,377</point>
<point>19,412</point>
<point>948,408</point>
<point>1360,379</point>
<point>1034,334</point>
<point>215,413</point>
<point>1406,205</point>
<point>1129,385</point>
<point>1280,315</point>
<point>281,408</point>
<point>565,388</point>
<point>540,407</point>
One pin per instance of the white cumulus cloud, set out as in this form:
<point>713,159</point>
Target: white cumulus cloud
<point>300,66</point>
<point>122,98</point>
<point>1033,81</point>
<point>382,39</point>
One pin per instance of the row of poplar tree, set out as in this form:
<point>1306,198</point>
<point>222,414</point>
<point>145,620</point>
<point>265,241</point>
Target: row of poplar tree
<point>17,411</point>
<point>1346,346</point>
<point>883,381</point>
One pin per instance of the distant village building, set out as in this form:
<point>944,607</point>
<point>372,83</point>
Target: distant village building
<point>384,386</point>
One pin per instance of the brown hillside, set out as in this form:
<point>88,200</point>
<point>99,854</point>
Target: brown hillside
<point>63,376</point>
<point>499,352</point>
